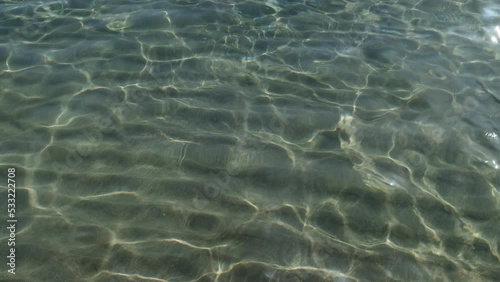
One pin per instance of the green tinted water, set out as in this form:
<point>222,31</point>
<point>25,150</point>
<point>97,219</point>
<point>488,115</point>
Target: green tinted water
<point>251,141</point>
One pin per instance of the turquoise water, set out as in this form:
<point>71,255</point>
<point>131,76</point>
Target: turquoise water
<point>251,140</point>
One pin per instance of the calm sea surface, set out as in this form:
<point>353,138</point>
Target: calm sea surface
<point>247,141</point>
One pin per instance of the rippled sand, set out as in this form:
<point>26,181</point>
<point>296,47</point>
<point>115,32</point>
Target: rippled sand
<point>252,141</point>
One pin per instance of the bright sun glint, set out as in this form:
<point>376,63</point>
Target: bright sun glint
<point>496,37</point>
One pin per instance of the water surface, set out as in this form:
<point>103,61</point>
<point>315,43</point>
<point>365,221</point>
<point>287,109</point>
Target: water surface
<point>252,140</point>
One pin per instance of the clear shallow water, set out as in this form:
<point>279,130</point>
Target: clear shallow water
<point>252,141</point>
